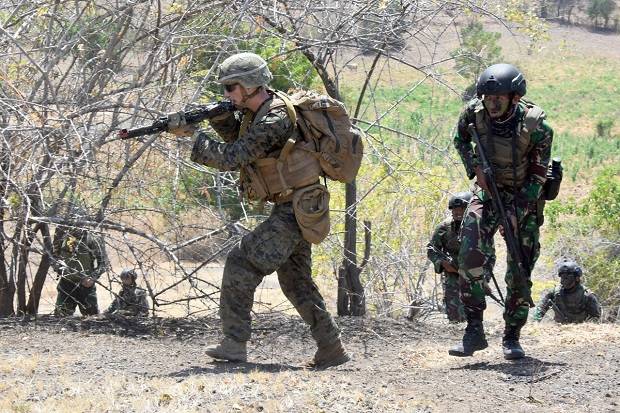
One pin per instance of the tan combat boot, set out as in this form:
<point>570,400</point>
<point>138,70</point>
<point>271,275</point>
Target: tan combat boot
<point>329,355</point>
<point>229,349</point>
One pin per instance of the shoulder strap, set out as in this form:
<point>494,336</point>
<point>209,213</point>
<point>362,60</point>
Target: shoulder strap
<point>533,116</point>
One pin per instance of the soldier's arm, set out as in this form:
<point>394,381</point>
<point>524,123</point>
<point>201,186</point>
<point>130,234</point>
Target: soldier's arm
<point>269,134</point>
<point>593,307</point>
<point>435,245</point>
<point>464,146</point>
<point>539,157</point>
<point>544,305</point>
<point>143,303</point>
<point>227,126</point>
<point>97,246</point>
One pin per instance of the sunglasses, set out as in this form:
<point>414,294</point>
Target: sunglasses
<point>230,88</point>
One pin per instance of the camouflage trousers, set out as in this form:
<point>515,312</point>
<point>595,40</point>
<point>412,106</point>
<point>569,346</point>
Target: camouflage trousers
<point>480,224</point>
<point>275,245</point>
<point>72,295</point>
<point>452,297</point>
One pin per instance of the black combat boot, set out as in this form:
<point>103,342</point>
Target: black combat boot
<point>510,343</point>
<point>473,339</point>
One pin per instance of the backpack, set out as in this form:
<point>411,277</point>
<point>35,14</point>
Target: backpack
<point>325,121</point>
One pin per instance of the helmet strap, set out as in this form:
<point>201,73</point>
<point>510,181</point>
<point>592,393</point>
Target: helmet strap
<point>248,96</point>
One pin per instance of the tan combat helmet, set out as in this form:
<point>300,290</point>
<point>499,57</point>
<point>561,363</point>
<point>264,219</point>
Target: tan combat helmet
<point>248,69</point>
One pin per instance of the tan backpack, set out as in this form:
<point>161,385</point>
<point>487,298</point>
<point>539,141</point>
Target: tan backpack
<point>325,121</point>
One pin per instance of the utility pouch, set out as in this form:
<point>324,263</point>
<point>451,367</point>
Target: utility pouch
<point>311,207</point>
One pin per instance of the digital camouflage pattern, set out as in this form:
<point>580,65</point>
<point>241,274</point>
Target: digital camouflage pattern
<point>481,222</point>
<point>77,254</point>
<point>248,69</point>
<point>130,301</point>
<point>569,306</point>
<point>277,243</point>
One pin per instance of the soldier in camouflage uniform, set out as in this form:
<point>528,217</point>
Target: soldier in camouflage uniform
<point>443,251</point>
<point>131,299</point>
<point>571,302</point>
<point>517,141</point>
<point>79,259</point>
<point>260,127</point>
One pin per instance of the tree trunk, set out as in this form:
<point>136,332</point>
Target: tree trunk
<point>32,307</point>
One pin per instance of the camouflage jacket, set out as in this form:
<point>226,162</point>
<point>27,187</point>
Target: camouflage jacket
<point>78,255</point>
<point>242,147</point>
<point>131,301</point>
<point>444,241</point>
<point>538,155</point>
<point>574,306</point>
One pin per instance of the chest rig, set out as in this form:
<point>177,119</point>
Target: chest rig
<point>275,177</point>
<point>508,152</point>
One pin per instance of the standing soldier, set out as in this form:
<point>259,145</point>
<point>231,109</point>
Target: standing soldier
<point>254,137</point>
<point>443,251</point>
<point>131,299</point>
<point>517,142</point>
<point>571,302</point>
<point>79,260</point>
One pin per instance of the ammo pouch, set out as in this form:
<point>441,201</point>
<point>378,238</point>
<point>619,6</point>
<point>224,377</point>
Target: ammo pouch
<point>554,179</point>
<point>311,206</point>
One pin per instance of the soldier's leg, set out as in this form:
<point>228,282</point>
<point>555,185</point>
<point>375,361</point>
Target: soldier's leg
<point>479,226</point>
<point>260,253</point>
<point>66,298</point>
<point>517,308</point>
<point>455,310</point>
<point>88,301</point>
<point>295,277</point>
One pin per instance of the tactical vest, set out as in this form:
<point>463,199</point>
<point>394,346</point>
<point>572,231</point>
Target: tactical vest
<point>77,256</point>
<point>571,306</point>
<point>450,240</point>
<point>275,177</point>
<point>510,168</point>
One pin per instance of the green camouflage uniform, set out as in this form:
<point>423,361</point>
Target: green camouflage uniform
<point>276,244</point>
<point>481,221</point>
<point>77,255</point>
<point>131,301</point>
<point>446,241</point>
<point>569,306</point>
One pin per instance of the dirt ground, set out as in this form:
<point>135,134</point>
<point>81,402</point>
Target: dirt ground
<point>128,365</point>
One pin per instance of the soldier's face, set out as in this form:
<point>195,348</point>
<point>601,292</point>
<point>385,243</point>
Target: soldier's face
<point>568,280</point>
<point>496,105</point>
<point>127,281</point>
<point>457,213</point>
<point>234,94</point>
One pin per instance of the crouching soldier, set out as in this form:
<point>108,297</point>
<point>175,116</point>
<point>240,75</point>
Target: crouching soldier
<point>570,301</point>
<point>131,299</point>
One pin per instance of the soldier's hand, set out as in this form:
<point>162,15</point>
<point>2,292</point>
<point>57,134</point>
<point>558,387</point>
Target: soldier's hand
<point>184,130</point>
<point>448,267</point>
<point>87,282</point>
<point>481,178</point>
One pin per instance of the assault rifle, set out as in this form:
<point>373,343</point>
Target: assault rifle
<point>176,119</point>
<point>487,289</point>
<point>523,269</point>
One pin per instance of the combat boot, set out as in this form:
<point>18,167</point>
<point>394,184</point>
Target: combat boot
<point>229,349</point>
<point>329,355</point>
<point>473,340</point>
<point>510,344</point>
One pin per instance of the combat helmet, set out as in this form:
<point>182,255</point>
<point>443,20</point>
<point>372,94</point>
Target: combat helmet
<point>570,267</point>
<point>460,199</point>
<point>248,69</point>
<point>129,272</point>
<point>499,79</point>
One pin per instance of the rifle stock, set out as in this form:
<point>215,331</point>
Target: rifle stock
<point>197,115</point>
<point>523,271</point>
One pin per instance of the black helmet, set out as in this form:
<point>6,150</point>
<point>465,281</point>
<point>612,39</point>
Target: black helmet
<point>569,267</point>
<point>501,78</point>
<point>460,199</point>
<point>129,272</point>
